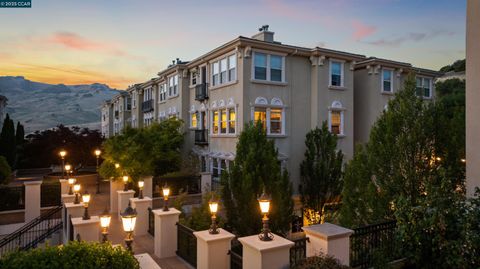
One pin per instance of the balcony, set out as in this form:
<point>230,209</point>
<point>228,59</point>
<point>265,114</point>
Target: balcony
<point>147,106</point>
<point>201,137</point>
<point>201,92</point>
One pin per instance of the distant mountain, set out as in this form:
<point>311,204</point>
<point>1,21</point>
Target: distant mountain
<point>41,106</point>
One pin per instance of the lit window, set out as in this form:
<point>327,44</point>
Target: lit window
<point>231,120</point>
<point>336,73</point>
<point>194,120</point>
<point>387,81</point>
<point>215,122</point>
<point>261,115</point>
<point>335,122</point>
<point>275,68</point>
<point>215,70</point>
<point>275,121</point>
<point>260,66</point>
<point>223,121</point>
<point>232,65</point>
<point>424,87</point>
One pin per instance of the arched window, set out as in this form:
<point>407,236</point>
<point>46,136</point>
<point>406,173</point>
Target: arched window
<point>272,116</point>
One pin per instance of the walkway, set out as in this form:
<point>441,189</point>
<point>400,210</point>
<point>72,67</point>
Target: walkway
<point>141,244</point>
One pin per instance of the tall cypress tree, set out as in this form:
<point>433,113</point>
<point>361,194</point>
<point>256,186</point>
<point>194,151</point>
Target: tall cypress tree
<point>20,134</point>
<point>256,167</point>
<point>7,140</point>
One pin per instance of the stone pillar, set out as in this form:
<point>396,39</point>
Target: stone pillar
<point>32,199</point>
<point>212,249</point>
<point>148,187</point>
<point>64,186</point>
<point>123,199</point>
<point>472,96</point>
<point>329,239</point>
<point>114,187</point>
<point>142,205</point>
<point>68,198</point>
<point>206,182</point>
<point>89,230</point>
<point>70,210</point>
<point>259,254</point>
<point>165,243</point>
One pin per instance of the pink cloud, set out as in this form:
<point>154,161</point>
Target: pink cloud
<point>362,30</point>
<point>74,41</point>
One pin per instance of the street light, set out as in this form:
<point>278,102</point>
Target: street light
<point>213,205</point>
<point>125,183</point>
<point>67,168</point>
<point>71,181</point>
<point>76,190</point>
<point>104,223</point>
<point>129,217</point>
<point>166,193</point>
<point>97,154</point>
<point>86,200</point>
<point>117,165</point>
<point>264,202</point>
<point>140,186</point>
<point>62,154</point>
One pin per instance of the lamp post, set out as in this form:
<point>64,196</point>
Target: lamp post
<point>141,183</point>
<point>117,165</point>
<point>97,154</point>
<point>67,169</point>
<point>166,193</point>
<point>105,223</point>
<point>71,181</point>
<point>86,200</point>
<point>62,154</point>
<point>76,190</point>
<point>264,202</point>
<point>213,205</point>
<point>129,217</point>
<point>125,183</point>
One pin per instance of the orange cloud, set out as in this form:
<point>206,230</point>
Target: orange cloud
<point>73,41</point>
<point>362,30</point>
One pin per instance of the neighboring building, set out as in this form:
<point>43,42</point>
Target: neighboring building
<point>3,106</point>
<point>107,119</point>
<point>290,89</point>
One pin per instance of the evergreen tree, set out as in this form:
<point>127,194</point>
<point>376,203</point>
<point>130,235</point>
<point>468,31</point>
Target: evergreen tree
<point>20,134</point>
<point>321,173</point>
<point>7,141</point>
<point>256,168</point>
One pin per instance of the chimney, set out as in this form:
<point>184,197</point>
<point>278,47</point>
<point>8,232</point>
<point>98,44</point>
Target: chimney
<point>264,34</point>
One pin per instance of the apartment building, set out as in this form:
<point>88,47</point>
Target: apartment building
<point>290,89</point>
<point>107,119</point>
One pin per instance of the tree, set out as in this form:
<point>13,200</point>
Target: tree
<point>321,172</point>
<point>5,171</point>
<point>256,168</point>
<point>154,150</point>
<point>20,134</point>
<point>457,66</point>
<point>7,141</point>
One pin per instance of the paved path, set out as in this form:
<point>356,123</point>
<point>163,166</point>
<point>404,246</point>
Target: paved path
<point>141,244</point>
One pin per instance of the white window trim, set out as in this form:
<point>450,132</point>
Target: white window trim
<point>219,122</point>
<point>342,68</point>
<point>268,78</point>
<point>175,94</point>
<point>430,86</point>
<point>191,119</point>
<point>268,119</point>
<point>342,119</point>
<point>382,80</point>
<point>228,80</point>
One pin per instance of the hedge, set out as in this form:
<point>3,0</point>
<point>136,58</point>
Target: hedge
<point>74,255</point>
<point>320,262</point>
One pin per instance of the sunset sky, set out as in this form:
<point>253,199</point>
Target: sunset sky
<point>124,41</point>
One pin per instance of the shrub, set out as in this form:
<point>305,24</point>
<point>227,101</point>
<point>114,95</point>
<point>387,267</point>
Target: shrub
<point>320,262</point>
<point>5,170</point>
<point>73,255</point>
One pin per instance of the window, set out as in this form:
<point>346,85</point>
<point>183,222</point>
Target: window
<point>134,99</point>
<point>276,121</point>
<point>223,121</point>
<point>223,71</point>
<point>424,87</point>
<point>128,103</point>
<point>173,86</point>
<point>215,122</point>
<point>387,85</point>
<point>275,68</point>
<point>215,168</point>
<point>203,164</point>
<point>261,115</point>
<point>231,120</point>
<point>194,78</point>
<point>232,65</point>
<point>193,122</point>
<point>260,66</point>
<point>335,122</point>
<point>336,73</point>
<point>215,76</point>
<point>162,93</point>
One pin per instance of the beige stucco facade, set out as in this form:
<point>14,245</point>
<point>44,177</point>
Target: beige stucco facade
<point>473,96</point>
<point>293,89</point>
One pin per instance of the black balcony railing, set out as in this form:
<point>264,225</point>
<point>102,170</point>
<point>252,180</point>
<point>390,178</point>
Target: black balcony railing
<point>12,198</point>
<point>201,92</point>
<point>201,137</point>
<point>147,106</point>
<point>50,194</point>
<point>151,222</point>
<point>186,244</point>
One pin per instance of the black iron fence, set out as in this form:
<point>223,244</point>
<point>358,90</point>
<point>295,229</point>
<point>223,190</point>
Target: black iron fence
<point>50,194</point>
<point>236,254</point>
<point>367,241</point>
<point>189,184</point>
<point>151,222</point>
<point>34,232</point>
<point>299,251</point>
<point>12,198</point>
<point>186,244</point>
